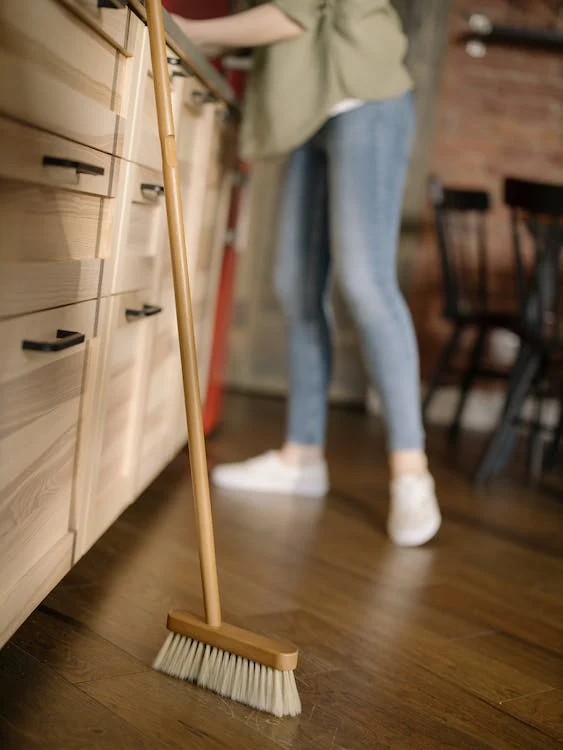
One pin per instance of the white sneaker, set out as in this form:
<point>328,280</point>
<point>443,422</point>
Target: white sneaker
<point>414,515</point>
<point>268,473</point>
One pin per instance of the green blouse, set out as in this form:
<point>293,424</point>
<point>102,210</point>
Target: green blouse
<point>351,49</point>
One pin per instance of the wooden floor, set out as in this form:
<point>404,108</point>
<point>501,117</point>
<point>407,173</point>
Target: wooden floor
<point>457,645</point>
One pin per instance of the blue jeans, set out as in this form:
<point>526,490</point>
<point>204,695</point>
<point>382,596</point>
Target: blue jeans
<point>340,209</point>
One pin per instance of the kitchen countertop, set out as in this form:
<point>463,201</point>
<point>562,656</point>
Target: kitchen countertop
<point>190,55</point>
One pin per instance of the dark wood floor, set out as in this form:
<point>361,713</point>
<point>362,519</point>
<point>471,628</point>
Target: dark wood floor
<point>457,645</point>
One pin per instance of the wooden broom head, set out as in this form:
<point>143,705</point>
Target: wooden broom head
<point>270,652</point>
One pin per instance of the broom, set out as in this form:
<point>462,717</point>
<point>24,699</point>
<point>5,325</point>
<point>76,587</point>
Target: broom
<point>233,662</point>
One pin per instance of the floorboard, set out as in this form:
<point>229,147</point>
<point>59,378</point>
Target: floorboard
<point>455,645</point>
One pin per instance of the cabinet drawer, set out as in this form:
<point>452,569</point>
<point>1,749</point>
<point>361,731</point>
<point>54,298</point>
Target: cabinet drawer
<point>163,404</point>
<point>109,17</point>
<point>40,395</point>
<point>126,336</point>
<point>30,155</point>
<point>140,240</point>
<point>142,143</point>
<point>58,73</point>
<point>55,219</point>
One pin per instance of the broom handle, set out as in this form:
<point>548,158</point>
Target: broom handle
<point>192,399</point>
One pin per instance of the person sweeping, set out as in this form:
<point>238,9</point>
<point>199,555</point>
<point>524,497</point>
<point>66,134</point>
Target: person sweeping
<point>329,89</point>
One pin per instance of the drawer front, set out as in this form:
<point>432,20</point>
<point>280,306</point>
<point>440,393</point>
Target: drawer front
<point>54,220</point>
<point>30,155</point>
<point>157,435</point>
<point>127,337</point>
<point>188,124</point>
<point>142,143</point>
<point>109,18</point>
<point>40,395</point>
<point>58,73</point>
<point>138,246</point>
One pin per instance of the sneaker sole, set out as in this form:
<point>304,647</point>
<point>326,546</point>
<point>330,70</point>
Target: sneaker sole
<point>419,537</point>
<point>263,490</point>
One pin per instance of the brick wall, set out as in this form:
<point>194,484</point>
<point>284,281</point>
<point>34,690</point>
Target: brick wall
<point>499,115</point>
<point>198,8</point>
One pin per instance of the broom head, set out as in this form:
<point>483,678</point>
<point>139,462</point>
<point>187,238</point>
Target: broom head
<point>235,663</point>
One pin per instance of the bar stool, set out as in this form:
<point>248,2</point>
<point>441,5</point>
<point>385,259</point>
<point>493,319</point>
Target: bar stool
<point>536,211</point>
<point>460,218</point>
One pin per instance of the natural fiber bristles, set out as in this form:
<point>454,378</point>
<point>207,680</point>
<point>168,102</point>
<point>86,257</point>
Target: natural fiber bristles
<point>242,680</point>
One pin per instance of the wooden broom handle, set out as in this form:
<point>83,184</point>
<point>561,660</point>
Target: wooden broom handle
<point>196,440</point>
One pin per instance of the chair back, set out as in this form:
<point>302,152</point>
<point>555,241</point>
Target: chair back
<point>460,220</point>
<point>536,214</point>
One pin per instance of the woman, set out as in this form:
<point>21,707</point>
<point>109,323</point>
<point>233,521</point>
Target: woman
<point>329,89</point>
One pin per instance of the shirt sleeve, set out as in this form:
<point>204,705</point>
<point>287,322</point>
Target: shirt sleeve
<point>303,12</point>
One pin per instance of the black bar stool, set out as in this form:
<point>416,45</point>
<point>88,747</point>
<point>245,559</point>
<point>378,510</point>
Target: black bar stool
<point>460,218</point>
<point>537,231</point>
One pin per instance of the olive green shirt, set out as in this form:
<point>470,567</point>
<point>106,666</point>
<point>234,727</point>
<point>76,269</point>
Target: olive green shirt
<point>351,49</point>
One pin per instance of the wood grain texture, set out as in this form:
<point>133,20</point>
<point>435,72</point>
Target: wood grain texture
<point>144,237</point>
<point>454,645</point>
<point>45,224</point>
<point>33,585</point>
<point>61,713</point>
<point>57,72</point>
<point>40,395</point>
<point>22,150</point>
<point>110,23</point>
<point>123,356</point>
<point>29,287</point>
<point>72,649</point>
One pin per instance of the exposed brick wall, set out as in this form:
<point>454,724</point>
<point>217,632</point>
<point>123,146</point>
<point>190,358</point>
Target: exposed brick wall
<point>497,116</point>
<point>198,8</point>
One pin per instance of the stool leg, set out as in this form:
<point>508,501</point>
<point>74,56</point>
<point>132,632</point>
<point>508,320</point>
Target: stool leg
<point>468,379</point>
<point>556,445</point>
<point>502,442</point>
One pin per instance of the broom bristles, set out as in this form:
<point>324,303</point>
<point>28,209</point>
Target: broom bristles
<point>271,690</point>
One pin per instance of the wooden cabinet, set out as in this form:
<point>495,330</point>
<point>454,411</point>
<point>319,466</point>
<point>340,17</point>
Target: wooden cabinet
<point>91,408</point>
<point>139,231</point>
<point>162,422</point>
<point>126,322</point>
<point>58,73</point>
<point>110,19</point>
<point>40,401</point>
<point>54,215</point>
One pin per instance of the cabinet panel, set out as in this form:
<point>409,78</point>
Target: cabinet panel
<point>54,218</point>
<point>57,72</point>
<point>124,343</point>
<point>30,155</point>
<point>110,19</point>
<point>40,395</point>
<point>142,144</point>
<point>139,239</point>
<point>157,438</point>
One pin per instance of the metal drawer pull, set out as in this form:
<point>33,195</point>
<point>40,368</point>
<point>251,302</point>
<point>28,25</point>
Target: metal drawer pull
<point>152,192</point>
<point>203,97</point>
<point>64,340</point>
<point>115,4</point>
<point>145,312</point>
<point>181,70</point>
<point>79,166</point>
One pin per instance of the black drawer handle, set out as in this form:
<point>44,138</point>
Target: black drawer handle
<point>79,166</point>
<point>64,340</point>
<point>144,312</point>
<point>180,69</point>
<point>152,192</point>
<point>203,97</point>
